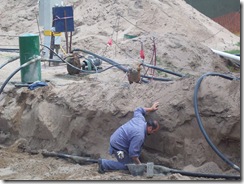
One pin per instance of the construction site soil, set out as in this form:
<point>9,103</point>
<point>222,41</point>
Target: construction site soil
<point>76,114</point>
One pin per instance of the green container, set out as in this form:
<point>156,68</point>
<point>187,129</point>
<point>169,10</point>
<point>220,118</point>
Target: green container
<point>29,47</point>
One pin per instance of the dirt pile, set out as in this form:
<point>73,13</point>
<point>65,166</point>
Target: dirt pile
<point>77,114</point>
<point>183,35</point>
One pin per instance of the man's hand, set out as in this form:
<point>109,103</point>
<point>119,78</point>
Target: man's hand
<point>155,106</point>
<point>136,160</point>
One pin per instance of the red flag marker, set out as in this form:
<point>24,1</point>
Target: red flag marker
<point>142,54</point>
<point>110,41</point>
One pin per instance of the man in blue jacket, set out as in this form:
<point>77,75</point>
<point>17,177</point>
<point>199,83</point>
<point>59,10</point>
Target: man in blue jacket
<point>126,142</point>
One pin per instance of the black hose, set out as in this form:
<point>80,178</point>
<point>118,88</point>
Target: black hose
<point>119,66</point>
<point>162,69</point>
<point>166,170</point>
<point>77,159</point>
<point>205,175</point>
<point>12,74</point>
<point>199,119</point>
<point>104,59</point>
<point>156,78</point>
<point>84,71</point>
<point>8,50</point>
<point>52,60</point>
<point>9,61</point>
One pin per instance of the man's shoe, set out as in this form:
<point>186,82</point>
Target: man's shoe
<point>100,167</point>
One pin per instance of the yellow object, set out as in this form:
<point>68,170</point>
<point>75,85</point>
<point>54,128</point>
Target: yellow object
<point>63,50</point>
<point>49,33</point>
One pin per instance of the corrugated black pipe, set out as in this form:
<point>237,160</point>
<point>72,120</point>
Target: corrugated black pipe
<point>199,119</point>
<point>18,69</point>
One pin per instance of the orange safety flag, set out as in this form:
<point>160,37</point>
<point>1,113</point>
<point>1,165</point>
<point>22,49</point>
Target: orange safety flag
<point>110,41</point>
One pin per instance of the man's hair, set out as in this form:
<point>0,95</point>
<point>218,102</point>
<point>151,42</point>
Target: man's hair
<point>151,122</point>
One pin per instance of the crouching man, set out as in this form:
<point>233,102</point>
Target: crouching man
<point>126,142</point>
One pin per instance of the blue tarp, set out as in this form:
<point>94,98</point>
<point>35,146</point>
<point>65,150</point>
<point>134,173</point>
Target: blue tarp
<point>36,84</point>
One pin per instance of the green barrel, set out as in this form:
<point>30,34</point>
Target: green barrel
<point>29,47</point>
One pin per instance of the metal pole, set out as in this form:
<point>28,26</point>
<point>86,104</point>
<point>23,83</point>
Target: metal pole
<point>66,33</point>
<point>70,42</point>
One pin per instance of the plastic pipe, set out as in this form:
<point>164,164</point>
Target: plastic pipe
<point>156,78</point>
<point>104,59</point>
<point>162,69</point>
<point>166,170</point>
<point>83,71</point>
<point>200,122</point>
<point>186,173</point>
<point>22,66</point>
<point>52,60</point>
<point>9,50</point>
<point>227,55</point>
<point>9,61</point>
<point>120,66</point>
<point>136,169</point>
<point>77,159</point>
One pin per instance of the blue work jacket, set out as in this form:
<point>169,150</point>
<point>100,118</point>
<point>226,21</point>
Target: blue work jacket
<point>130,136</point>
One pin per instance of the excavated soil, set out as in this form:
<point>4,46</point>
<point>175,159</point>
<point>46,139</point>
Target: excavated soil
<point>77,114</point>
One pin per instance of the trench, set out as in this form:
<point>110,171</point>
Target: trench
<point>53,119</point>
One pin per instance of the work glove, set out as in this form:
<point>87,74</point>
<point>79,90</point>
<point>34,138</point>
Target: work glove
<point>120,154</point>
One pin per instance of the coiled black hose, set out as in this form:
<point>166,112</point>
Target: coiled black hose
<point>22,66</point>
<point>199,119</point>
